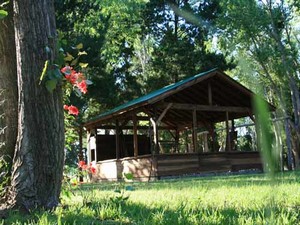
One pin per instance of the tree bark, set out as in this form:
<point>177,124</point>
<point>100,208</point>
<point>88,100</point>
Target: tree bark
<point>8,86</point>
<point>39,153</point>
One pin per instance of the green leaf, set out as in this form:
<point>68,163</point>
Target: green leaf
<point>117,190</point>
<point>77,92</point>
<point>51,85</point>
<point>57,74</point>
<point>128,176</point>
<point>79,46</point>
<point>265,138</point>
<point>3,13</point>
<point>89,82</point>
<point>129,188</point>
<point>74,62</point>
<point>44,71</point>
<point>69,57</point>
<point>83,65</point>
<point>59,60</point>
<point>82,53</point>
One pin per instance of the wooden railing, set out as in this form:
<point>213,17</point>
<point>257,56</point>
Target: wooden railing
<point>188,163</point>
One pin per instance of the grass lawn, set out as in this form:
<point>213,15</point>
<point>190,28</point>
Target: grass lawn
<point>239,199</point>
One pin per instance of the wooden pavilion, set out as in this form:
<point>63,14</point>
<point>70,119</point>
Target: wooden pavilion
<point>128,139</point>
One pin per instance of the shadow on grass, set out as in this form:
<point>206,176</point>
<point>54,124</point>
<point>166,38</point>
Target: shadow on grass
<point>185,215</point>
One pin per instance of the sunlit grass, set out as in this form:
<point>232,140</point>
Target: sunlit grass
<point>240,199</point>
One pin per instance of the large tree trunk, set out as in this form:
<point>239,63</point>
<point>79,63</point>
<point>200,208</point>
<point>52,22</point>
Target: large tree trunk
<point>8,86</point>
<point>39,153</point>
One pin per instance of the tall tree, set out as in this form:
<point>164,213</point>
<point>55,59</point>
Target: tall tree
<point>263,32</point>
<point>8,85</point>
<point>180,41</point>
<point>39,152</point>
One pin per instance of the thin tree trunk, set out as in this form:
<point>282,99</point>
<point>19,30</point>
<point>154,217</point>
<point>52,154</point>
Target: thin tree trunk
<point>39,153</point>
<point>8,86</point>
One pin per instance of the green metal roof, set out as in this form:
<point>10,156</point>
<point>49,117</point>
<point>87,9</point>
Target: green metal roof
<point>148,97</point>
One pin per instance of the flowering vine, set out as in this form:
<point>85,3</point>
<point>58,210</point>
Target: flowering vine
<point>53,74</point>
<point>77,80</point>
<point>91,168</point>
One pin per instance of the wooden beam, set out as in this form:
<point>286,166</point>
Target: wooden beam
<point>195,130</point>
<point>164,113</point>
<point>135,137</point>
<point>208,107</point>
<point>181,87</point>
<point>124,123</point>
<point>252,118</point>
<point>143,118</point>
<point>131,127</point>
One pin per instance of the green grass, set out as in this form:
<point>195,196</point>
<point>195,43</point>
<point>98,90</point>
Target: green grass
<point>241,199</point>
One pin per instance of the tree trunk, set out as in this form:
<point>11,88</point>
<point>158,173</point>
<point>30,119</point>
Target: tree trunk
<point>8,86</point>
<point>39,153</point>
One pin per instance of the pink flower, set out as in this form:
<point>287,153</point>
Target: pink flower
<point>93,170</point>
<point>81,163</point>
<point>72,110</point>
<point>75,78</point>
<point>89,168</point>
<point>66,107</point>
<point>82,86</point>
<point>67,70</point>
<point>72,77</point>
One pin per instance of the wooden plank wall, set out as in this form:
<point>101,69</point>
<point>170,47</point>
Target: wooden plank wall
<point>147,167</point>
<point>112,170</point>
<point>140,167</point>
<point>180,164</point>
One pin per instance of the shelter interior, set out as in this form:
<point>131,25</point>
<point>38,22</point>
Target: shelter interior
<point>179,119</point>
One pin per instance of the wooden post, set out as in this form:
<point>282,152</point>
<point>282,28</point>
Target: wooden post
<point>213,137</point>
<point>155,136</point>
<point>176,140</point>
<point>88,136</point>
<point>209,94</point>
<point>135,137</point>
<point>150,131</point>
<point>80,153</point>
<point>232,136</point>
<point>187,150</point>
<point>155,125</point>
<point>195,130</point>
<point>92,145</point>
<point>205,140</point>
<point>117,130</point>
<point>95,142</point>
<point>228,144</point>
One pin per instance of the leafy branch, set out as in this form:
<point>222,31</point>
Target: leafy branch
<point>3,13</point>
